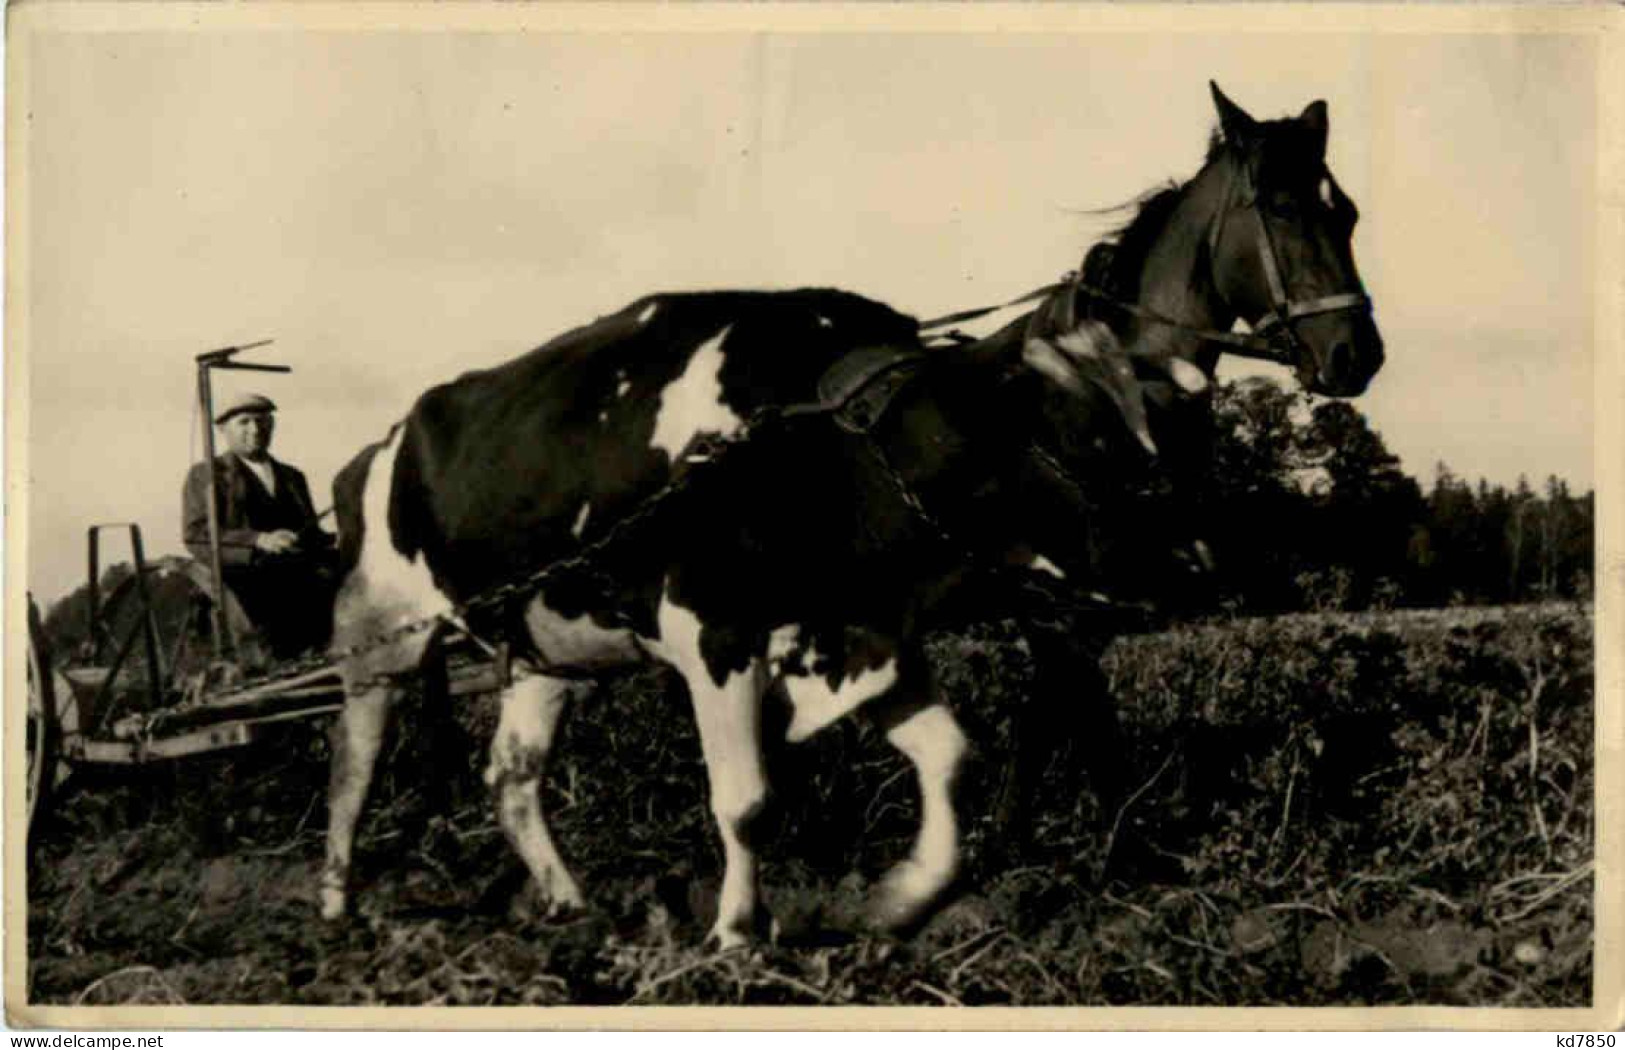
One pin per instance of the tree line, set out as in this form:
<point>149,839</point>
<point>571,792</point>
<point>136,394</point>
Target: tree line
<point>1304,508</point>
<point>1308,509</point>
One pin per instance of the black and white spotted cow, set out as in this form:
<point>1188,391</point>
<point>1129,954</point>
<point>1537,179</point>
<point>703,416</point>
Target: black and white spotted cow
<point>795,557</point>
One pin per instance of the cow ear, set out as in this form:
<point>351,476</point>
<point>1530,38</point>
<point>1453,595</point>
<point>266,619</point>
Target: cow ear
<point>1240,130</point>
<point>1313,118</point>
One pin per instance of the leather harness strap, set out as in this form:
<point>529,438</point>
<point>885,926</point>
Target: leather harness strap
<point>858,388</point>
<point>971,315</point>
<point>1272,338</point>
<point>1240,344</point>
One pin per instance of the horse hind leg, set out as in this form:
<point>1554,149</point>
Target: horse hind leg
<point>528,725</point>
<point>922,727</point>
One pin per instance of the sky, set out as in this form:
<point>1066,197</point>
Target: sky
<point>396,208</point>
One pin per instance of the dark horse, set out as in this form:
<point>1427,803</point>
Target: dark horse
<point>786,490</point>
<point>1261,234</point>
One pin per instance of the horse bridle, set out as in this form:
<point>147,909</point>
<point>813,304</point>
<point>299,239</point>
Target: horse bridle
<point>1276,322</point>
<point>1273,337</point>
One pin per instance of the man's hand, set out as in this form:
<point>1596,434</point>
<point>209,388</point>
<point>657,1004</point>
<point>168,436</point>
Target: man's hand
<point>279,542</point>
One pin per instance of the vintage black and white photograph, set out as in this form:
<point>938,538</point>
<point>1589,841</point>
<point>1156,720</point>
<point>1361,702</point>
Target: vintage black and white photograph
<point>770,507</point>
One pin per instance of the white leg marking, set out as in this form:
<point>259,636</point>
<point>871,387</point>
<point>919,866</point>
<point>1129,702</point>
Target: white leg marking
<point>816,705</point>
<point>933,741</point>
<point>729,717</point>
<point>691,404</point>
<point>581,521</point>
<point>1043,564</point>
<point>531,708</point>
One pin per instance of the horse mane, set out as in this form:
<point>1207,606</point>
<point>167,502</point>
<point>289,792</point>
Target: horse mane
<point>1114,263</point>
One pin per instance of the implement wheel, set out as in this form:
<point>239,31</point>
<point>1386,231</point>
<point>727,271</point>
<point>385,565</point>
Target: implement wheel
<point>53,711</point>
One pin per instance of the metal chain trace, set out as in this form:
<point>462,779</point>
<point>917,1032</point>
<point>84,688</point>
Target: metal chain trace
<point>706,451</point>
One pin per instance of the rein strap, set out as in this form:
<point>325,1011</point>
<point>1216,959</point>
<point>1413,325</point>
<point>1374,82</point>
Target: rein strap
<point>971,315</point>
<point>1272,337</point>
<point>1253,345</point>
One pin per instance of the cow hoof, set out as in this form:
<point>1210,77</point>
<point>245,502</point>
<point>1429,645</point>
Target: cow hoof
<point>333,905</point>
<point>559,896</point>
<point>725,939</point>
<point>563,906</point>
<point>886,913</point>
<point>734,936</point>
<point>903,898</point>
<point>547,903</point>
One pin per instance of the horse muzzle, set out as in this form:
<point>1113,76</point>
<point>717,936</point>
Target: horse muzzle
<point>1347,366</point>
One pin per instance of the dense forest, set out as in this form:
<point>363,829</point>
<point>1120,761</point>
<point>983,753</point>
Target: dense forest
<point>1304,508</point>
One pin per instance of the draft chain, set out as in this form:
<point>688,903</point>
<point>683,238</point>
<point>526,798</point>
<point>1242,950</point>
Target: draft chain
<point>708,450</point>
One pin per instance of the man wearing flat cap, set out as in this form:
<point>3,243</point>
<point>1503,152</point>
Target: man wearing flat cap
<point>275,558</point>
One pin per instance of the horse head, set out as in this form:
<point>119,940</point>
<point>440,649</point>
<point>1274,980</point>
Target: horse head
<point>1279,247</point>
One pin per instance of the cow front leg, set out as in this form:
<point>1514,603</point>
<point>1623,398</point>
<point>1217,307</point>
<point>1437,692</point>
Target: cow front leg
<point>729,718</point>
<point>728,713</point>
<point>922,727</point>
<point>531,709</point>
<point>357,738</point>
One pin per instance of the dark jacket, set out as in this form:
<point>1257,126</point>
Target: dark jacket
<point>244,507</point>
<point>287,597</point>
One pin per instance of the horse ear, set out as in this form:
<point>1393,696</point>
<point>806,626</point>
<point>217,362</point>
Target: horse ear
<point>1313,118</point>
<point>1239,128</point>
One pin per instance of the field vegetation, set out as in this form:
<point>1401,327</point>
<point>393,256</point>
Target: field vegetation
<point>1382,807</point>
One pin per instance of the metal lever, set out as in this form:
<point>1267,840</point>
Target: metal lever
<point>234,366</point>
<point>217,358</point>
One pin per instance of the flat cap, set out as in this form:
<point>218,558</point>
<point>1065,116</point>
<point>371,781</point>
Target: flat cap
<point>245,403</point>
